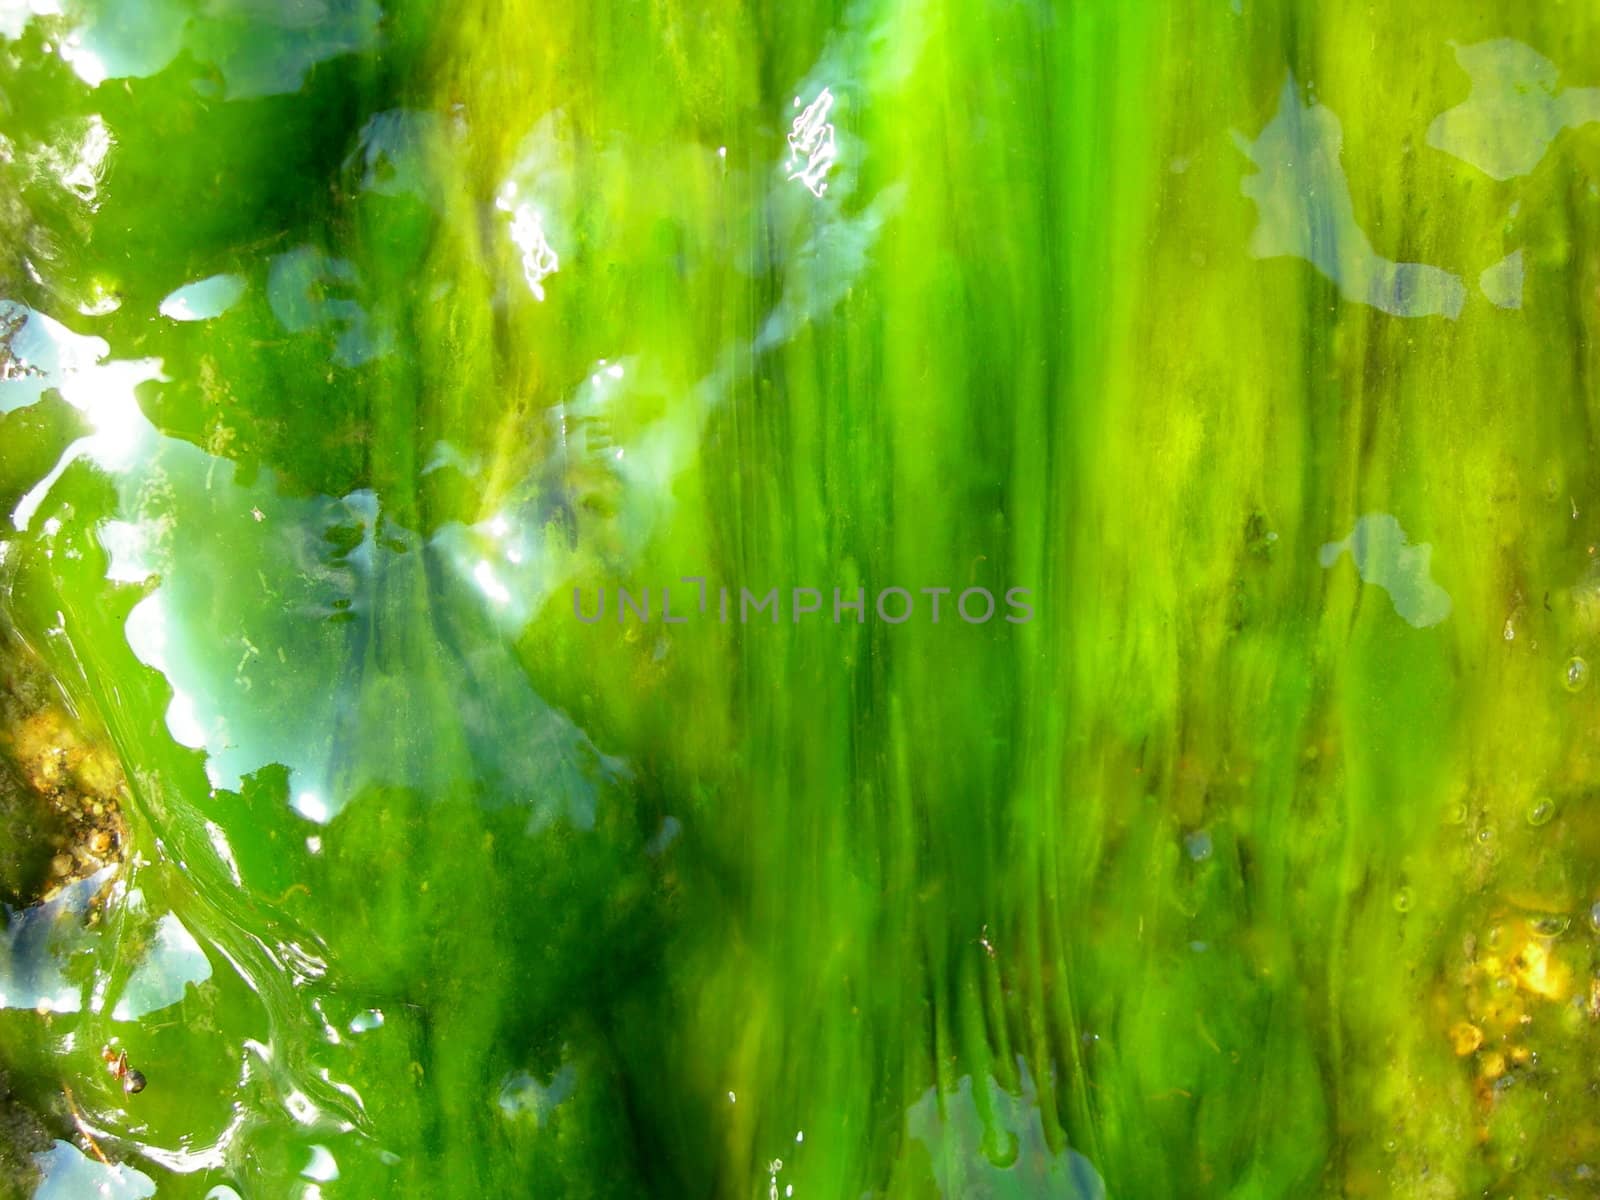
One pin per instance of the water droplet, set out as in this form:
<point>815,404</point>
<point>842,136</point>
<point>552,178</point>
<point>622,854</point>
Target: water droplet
<point>1575,674</point>
<point>1198,845</point>
<point>1551,925</point>
<point>1543,809</point>
<point>1594,916</point>
<point>1402,900</point>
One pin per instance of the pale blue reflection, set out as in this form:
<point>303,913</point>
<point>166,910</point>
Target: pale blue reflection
<point>822,263</point>
<point>391,154</point>
<point>38,942</point>
<point>300,680</point>
<point>523,1096</point>
<point>204,299</point>
<point>1513,112</point>
<point>1386,558</point>
<point>1010,1159</point>
<point>173,961</point>
<point>446,456</point>
<point>1304,210</point>
<point>69,1174</point>
<point>40,354</point>
<point>1502,282</point>
<point>259,47</point>
<point>125,40</point>
<point>303,290</point>
<point>820,248</point>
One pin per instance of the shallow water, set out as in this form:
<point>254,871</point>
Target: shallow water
<point>356,357</point>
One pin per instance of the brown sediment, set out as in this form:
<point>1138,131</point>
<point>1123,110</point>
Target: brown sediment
<point>61,786</point>
<point>1519,1020</point>
<point>61,820</point>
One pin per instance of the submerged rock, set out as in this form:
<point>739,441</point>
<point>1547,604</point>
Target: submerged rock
<point>61,787</point>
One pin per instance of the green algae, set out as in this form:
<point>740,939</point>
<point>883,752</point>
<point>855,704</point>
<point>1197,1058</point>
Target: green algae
<point>1195,884</point>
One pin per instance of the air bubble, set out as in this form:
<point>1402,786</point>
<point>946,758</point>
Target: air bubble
<point>1402,900</point>
<point>1543,809</point>
<point>1551,925</point>
<point>1575,674</point>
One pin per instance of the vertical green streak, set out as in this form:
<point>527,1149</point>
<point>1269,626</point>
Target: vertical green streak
<point>1198,875</point>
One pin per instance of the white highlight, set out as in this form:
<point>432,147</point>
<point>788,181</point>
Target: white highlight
<point>313,807</point>
<point>812,138</point>
<point>539,259</point>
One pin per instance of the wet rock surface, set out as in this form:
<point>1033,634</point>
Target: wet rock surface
<point>61,787</point>
<point>61,791</point>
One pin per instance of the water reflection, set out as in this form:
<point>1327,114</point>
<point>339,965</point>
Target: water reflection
<point>258,47</point>
<point>310,289</point>
<point>1501,283</point>
<point>39,944</point>
<point>203,299</point>
<point>173,961</point>
<point>524,1096</point>
<point>69,1174</point>
<point>76,158</point>
<point>812,148</point>
<point>1386,558</point>
<point>820,250</point>
<point>264,633</point>
<point>1304,210</point>
<point>1513,112</point>
<point>391,154</point>
<point>537,200</point>
<point>322,1167</point>
<point>15,15</point>
<point>43,355</point>
<point>40,354</point>
<point>1010,1157</point>
<point>41,967</point>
